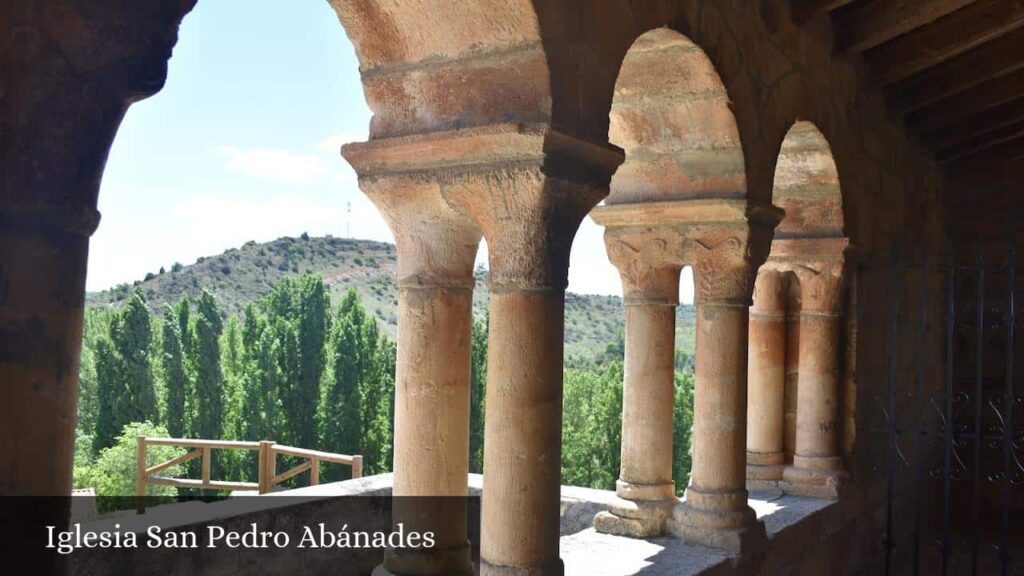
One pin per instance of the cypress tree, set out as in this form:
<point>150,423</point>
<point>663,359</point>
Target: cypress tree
<point>314,305</point>
<point>209,417</point>
<point>341,409</point>
<point>132,337</point>
<point>174,371</point>
<point>110,393</point>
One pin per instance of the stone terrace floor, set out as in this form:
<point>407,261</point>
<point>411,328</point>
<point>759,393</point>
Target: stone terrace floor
<point>586,552</point>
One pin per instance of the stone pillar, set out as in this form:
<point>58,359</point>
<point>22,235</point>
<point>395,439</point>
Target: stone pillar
<point>437,248</point>
<point>817,468</point>
<point>650,283</point>
<point>715,511</point>
<point>43,255</point>
<point>766,381</point>
<point>529,210</point>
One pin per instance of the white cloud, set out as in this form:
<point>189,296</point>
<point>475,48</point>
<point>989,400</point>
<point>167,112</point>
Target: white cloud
<point>276,164</point>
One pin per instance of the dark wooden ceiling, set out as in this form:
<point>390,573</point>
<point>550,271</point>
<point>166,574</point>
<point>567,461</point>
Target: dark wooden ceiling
<point>953,70</point>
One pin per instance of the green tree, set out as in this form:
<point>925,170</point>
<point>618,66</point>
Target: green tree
<point>209,416</point>
<point>132,336</point>
<point>314,304</point>
<point>477,396</point>
<point>110,391</point>
<point>341,407</point>
<point>591,426</point>
<point>682,428</point>
<point>176,380</point>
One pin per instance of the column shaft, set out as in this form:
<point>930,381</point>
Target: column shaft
<point>42,294</point>
<point>647,401</point>
<point>431,433</point>
<point>720,401</point>
<point>817,468</point>
<point>522,451</point>
<point>817,430</point>
<point>766,380</point>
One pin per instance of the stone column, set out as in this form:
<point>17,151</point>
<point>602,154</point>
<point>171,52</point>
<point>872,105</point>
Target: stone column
<point>817,468</point>
<point>43,255</point>
<point>529,210</point>
<point>650,283</point>
<point>715,511</point>
<point>437,248</point>
<point>766,381</point>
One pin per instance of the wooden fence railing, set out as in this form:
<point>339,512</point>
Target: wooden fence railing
<point>267,465</point>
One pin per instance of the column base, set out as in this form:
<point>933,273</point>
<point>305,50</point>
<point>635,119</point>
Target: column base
<point>424,562</point>
<point>554,569</point>
<point>643,519</point>
<point>815,477</point>
<point>719,520</point>
<point>764,470</point>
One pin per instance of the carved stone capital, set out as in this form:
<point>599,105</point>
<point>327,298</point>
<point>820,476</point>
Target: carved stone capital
<point>437,245</point>
<point>649,263</point>
<point>821,287</point>
<point>526,188</point>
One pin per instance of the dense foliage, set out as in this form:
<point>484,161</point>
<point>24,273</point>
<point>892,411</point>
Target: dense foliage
<point>294,369</point>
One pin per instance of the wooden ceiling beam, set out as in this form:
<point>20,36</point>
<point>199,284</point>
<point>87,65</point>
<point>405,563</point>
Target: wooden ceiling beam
<point>973,101</point>
<point>975,125</point>
<point>805,10</point>
<point>988,61</point>
<point>990,158</point>
<point>981,143</point>
<point>944,39</point>
<point>866,25</point>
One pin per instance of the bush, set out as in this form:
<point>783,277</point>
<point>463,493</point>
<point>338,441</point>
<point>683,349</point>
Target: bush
<point>113,471</point>
<point>177,267</point>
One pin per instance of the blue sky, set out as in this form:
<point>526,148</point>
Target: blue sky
<point>242,144</point>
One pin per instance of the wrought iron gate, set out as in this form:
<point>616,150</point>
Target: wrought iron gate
<point>951,410</point>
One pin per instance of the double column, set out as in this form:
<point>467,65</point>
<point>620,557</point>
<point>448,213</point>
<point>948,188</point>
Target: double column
<point>817,468</point>
<point>526,188</point>
<point>437,247</point>
<point>645,489</point>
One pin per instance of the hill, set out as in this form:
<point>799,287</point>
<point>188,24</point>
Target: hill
<point>242,275</point>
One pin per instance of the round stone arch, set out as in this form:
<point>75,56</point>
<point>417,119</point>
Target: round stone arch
<point>806,185</point>
<point>670,113</point>
<point>435,66</point>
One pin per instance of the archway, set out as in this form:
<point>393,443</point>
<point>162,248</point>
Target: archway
<point>680,198</point>
<point>794,433</point>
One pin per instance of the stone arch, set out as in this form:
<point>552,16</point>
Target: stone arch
<point>434,66</point>
<point>670,113</point>
<point>807,186</point>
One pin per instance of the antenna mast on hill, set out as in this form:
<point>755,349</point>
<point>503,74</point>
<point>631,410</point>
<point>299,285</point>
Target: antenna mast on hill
<point>348,221</point>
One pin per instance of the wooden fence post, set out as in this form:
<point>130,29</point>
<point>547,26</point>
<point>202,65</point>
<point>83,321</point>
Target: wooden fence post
<point>265,475</point>
<point>207,456</point>
<point>314,473</point>
<point>140,475</point>
<point>357,466</point>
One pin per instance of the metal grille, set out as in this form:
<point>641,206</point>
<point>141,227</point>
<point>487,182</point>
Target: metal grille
<point>952,414</point>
